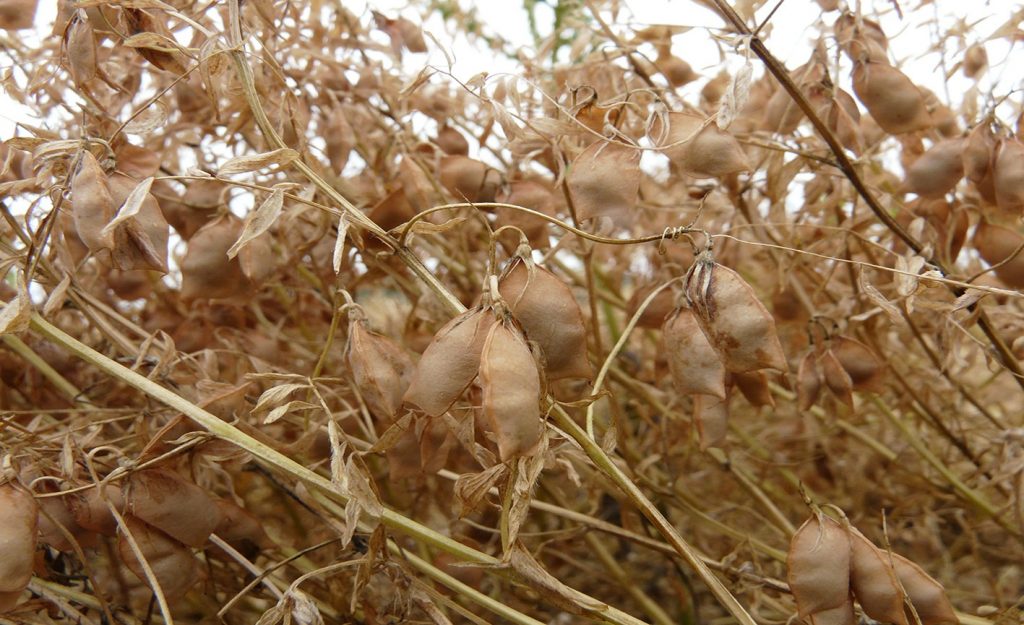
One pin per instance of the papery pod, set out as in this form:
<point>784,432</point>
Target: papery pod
<point>938,170</point>
<point>80,43</point>
<point>700,149</point>
<point>736,323</point>
<point>711,418</point>
<point>92,204</point>
<point>808,381</point>
<point>979,150</point>
<point>172,504</point>
<point>90,510</point>
<point>874,581</point>
<point>865,369</point>
<point>895,103</point>
<point>240,529</point>
<point>339,139</point>
<point>528,194</point>
<point>1008,176</point>
<point>19,519</point>
<point>836,378</point>
<point>818,566</point>
<point>17,14</point>
<point>450,362</point>
<point>861,37</point>
<point>257,259</point>
<point>995,244</point>
<point>451,141</point>
<point>694,364</point>
<point>782,114</point>
<point>550,316</point>
<point>754,387</point>
<point>675,70</point>
<point>206,270</point>
<point>842,615</point>
<point>468,180</point>
<point>175,568</point>
<point>843,118</point>
<point>604,180</point>
<point>657,312</point>
<point>137,161</point>
<point>138,22</point>
<point>200,203</point>
<point>927,594</point>
<point>380,368</point>
<point>54,514</point>
<point>392,210</point>
<point>975,60</point>
<point>511,392</point>
<point>828,5</point>
<point>141,241</point>
<point>944,119</point>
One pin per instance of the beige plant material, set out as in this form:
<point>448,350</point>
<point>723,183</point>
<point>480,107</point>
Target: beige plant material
<point>381,370</point>
<point>175,567</point>
<point>893,100</point>
<point>19,516</point>
<point>695,365</point>
<point>699,149</point>
<point>603,181</point>
<point>874,581</point>
<point>170,503</point>
<point>511,392</point>
<point>818,571</point>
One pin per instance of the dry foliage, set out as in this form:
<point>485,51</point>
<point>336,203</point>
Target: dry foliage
<point>299,328</point>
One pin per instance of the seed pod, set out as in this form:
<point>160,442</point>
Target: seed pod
<point>19,519</point>
<point>978,152</point>
<point>57,515</point>
<point>604,180</point>
<point>836,378</point>
<point>92,204</point>
<point>451,141</point>
<point>18,14</point>
<point>675,70</point>
<point>842,615</point>
<point>206,270</point>
<point>808,381</point>
<point>657,312</point>
<point>843,118</point>
<point>896,104</point>
<point>1008,176</point>
<point>528,194</point>
<point>449,363</point>
<point>938,170</point>
<point>173,505</point>
<point>380,368</point>
<point>468,180</point>
<point>339,139</point>
<point>860,363</point>
<point>975,60</point>
<point>141,241</point>
<point>511,392</point>
<point>861,38</point>
<point>550,317</point>
<point>754,386</point>
<point>703,151</point>
<point>927,595</point>
<point>240,529</point>
<point>694,364</point>
<point>818,566</point>
<point>173,565</point>
<point>81,49</point>
<point>995,244</point>
<point>736,323</point>
<point>874,581</point>
<point>711,417</point>
<point>91,511</point>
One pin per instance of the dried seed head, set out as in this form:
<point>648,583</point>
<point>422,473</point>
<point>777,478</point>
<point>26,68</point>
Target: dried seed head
<point>380,368</point>
<point>818,566</point>
<point>1008,176</point>
<point>996,244</point>
<point>450,362</point>
<point>92,204</point>
<point>927,595</point>
<point>700,150</point>
<point>711,417</point>
<point>550,316</point>
<point>938,170</point>
<point>604,180</point>
<point>736,323</point>
<point>693,362</point>
<point>172,563</point>
<point>19,518</point>
<point>172,504</point>
<point>895,103</point>
<point>511,392</point>
<point>874,581</point>
<point>206,270</point>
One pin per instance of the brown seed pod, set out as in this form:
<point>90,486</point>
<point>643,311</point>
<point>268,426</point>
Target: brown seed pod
<point>754,387</point>
<point>861,37</point>
<point>172,563</point>
<point>528,194</point>
<point>736,323</point>
<point>975,60</point>
<point>91,512</point>
<point>843,118</point>
<point>995,244</point>
<point>927,595</point>
<point>836,378</point>
<point>550,316</point>
<point>451,141</point>
<point>700,149</point>
<point>92,204</point>
<point>604,180</point>
<point>675,70</point>
<point>1008,176</point>
<point>173,505</point>
<point>206,270</point>
<point>468,180</point>
<point>874,581</point>
<point>818,567</point>
<point>511,392</point>
<point>808,381</point>
<point>339,139</point>
<point>865,369</point>
<point>54,513</point>
<point>80,44</point>
<point>380,368</point>
<point>240,529</point>
<point>938,170</point>
<point>19,519</point>
<point>694,364</point>
<point>18,14</point>
<point>141,241</point>
<point>895,103</point>
<point>711,417</point>
<point>979,150</point>
<point>450,362</point>
<point>657,312</point>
